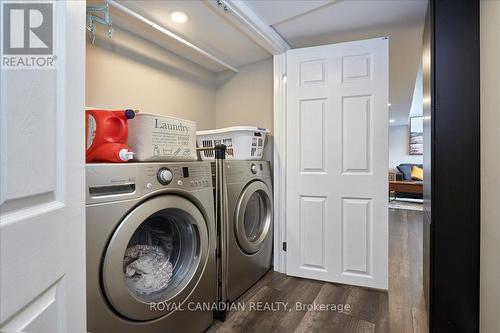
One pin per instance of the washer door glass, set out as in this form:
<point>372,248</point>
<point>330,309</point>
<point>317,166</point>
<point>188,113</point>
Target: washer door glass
<point>156,255</point>
<point>253,217</point>
<point>161,255</point>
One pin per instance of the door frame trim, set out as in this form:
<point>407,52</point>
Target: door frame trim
<point>279,161</point>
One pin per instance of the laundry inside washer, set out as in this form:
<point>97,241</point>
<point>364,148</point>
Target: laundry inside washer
<point>147,269</point>
<point>159,254</point>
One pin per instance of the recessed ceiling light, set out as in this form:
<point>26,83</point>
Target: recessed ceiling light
<point>178,16</point>
<point>391,120</point>
<point>389,104</point>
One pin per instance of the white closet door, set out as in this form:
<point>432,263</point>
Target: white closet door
<point>42,217</point>
<point>337,157</point>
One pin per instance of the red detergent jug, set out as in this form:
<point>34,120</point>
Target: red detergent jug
<point>106,133</point>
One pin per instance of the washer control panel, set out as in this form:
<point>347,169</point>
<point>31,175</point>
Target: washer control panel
<point>107,182</point>
<point>187,176</point>
<point>242,171</point>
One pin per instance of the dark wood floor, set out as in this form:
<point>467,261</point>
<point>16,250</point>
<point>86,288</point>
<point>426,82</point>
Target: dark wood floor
<point>401,310</point>
<point>406,295</point>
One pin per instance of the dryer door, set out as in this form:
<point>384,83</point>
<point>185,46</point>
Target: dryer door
<point>155,258</point>
<point>253,217</point>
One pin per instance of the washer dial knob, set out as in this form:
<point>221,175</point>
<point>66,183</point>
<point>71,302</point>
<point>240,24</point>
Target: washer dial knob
<point>253,168</point>
<point>164,176</point>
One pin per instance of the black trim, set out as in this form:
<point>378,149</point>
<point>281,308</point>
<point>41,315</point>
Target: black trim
<point>452,210</point>
<point>220,152</point>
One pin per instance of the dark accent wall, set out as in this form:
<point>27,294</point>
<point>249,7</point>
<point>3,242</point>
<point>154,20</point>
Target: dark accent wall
<point>452,203</point>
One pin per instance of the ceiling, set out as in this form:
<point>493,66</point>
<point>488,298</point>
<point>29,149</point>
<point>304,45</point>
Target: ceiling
<point>302,19</point>
<point>300,23</point>
<point>205,28</point>
<point>273,12</point>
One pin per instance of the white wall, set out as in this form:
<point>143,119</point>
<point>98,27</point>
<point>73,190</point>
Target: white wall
<point>490,166</point>
<point>417,105</point>
<point>246,98</point>
<point>399,149</point>
<point>127,71</point>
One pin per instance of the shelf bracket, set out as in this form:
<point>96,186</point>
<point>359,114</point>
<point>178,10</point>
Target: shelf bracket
<point>92,19</point>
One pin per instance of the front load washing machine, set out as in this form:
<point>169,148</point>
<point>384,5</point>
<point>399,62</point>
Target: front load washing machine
<point>246,240</point>
<point>150,247</point>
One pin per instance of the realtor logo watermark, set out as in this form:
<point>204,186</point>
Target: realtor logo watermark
<point>28,35</point>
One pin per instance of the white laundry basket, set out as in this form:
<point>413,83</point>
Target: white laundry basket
<point>242,142</point>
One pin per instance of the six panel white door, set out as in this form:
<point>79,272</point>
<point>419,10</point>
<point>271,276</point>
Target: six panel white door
<point>337,157</point>
<point>42,219</point>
